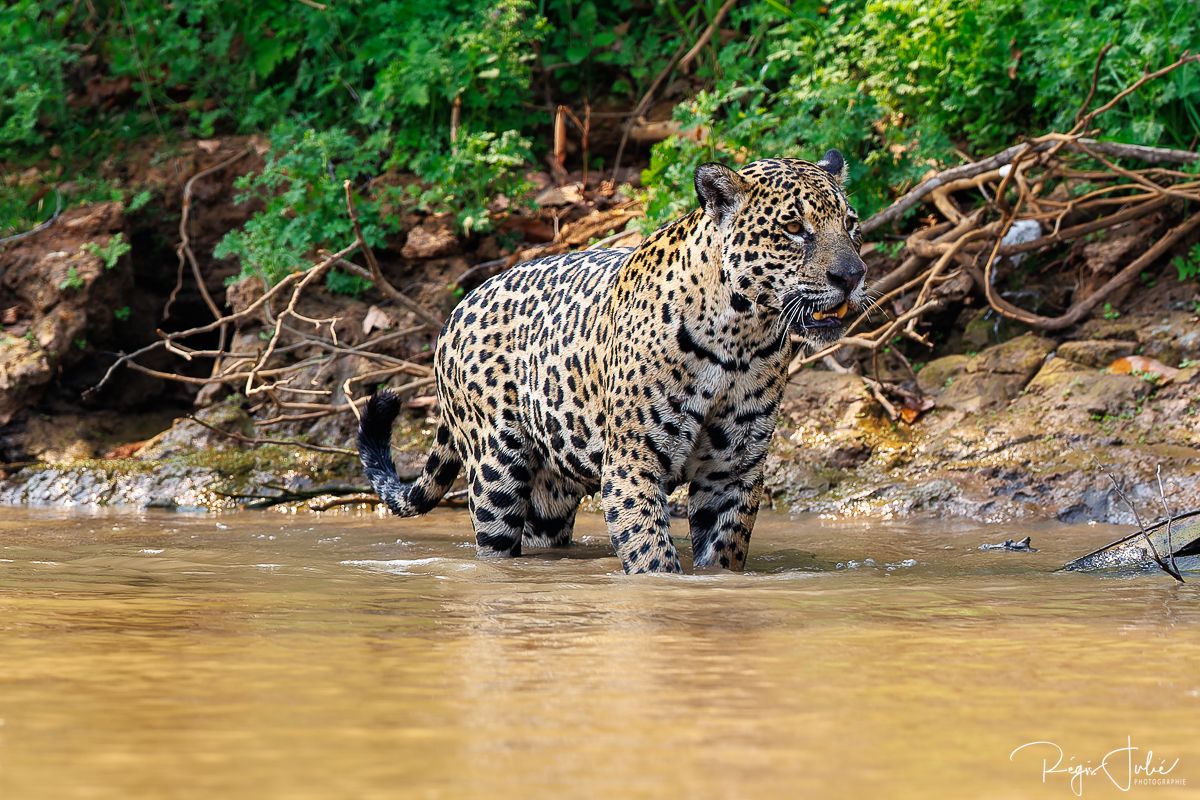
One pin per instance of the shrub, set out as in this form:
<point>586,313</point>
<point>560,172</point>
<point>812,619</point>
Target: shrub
<point>902,86</point>
<point>33,58</point>
<point>482,168</point>
<point>301,189</point>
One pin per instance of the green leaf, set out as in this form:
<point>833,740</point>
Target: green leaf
<point>267,55</point>
<point>578,51</point>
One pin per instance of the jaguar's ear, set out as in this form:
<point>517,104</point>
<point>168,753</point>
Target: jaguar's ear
<point>833,163</point>
<point>720,190</point>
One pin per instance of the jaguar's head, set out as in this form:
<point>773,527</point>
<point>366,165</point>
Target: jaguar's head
<point>789,240</point>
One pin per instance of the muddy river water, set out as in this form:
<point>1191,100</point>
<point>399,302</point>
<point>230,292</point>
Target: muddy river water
<point>274,656</point>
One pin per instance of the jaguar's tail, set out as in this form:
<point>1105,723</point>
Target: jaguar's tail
<point>374,450</point>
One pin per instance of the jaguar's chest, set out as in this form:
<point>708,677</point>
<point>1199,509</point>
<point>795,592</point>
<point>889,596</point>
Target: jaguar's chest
<point>716,415</point>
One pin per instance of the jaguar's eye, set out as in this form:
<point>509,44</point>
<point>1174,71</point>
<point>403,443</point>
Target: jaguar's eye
<point>852,225</point>
<point>795,228</point>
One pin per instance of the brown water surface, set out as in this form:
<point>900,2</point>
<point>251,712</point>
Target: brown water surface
<point>272,656</point>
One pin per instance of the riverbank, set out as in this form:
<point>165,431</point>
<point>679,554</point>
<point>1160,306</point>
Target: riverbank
<point>973,416</point>
<point>1027,428</point>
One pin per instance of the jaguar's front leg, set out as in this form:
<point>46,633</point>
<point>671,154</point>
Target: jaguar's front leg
<point>635,508</point>
<point>721,512</point>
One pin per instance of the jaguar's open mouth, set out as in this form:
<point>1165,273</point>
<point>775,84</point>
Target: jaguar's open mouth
<point>833,317</point>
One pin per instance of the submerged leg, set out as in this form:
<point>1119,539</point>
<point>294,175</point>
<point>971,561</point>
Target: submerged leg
<point>551,517</point>
<point>635,508</point>
<point>498,494</point>
<point>721,514</point>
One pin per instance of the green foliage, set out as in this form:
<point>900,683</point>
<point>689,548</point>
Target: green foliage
<point>616,47</point>
<point>898,86</point>
<point>33,61</point>
<point>479,54</point>
<point>340,282</point>
<point>215,66</point>
<point>122,314</point>
<point>354,89</point>
<point>23,207</point>
<point>465,181</point>
<point>1188,264</point>
<point>72,282</point>
<point>301,190</point>
<point>110,252</point>
<point>139,201</point>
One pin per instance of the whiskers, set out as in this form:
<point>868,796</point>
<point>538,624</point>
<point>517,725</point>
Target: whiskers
<point>794,311</point>
<point>872,305</point>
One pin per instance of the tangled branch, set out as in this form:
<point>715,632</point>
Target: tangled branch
<point>292,376</point>
<point>1064,186</point>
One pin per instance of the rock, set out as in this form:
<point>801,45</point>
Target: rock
<point>1021,231</point>
<point>24,370</point>
<point>823,434</point>
<point>1022,355</point>
<point>1171,337</point>
<point>113,483</point>
<point>244,293</point>
<point>1086,393</point>
<point>187,435</point>
<point>433,238</point>
<point>985,327</point>
<point>69,296</point>
<point>981,391</point>
<point>1125,328</point>
<point>1096,353</point>
<point>940,373</point>
<point>988,380</point>
<point>1093,504</point>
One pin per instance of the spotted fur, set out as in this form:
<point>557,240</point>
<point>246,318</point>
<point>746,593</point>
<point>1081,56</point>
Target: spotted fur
<point>633,371</point>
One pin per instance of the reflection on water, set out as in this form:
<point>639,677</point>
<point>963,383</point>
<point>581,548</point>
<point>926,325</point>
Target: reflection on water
<point>254,656</point>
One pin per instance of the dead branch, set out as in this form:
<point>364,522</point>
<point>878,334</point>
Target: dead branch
<point>1162,495</point>
<point>58,209</point>
<point>184,249</point>
<point>976,206</point>
<point>1083,307</point>
<point>382,283</point>
<point>353,500</point>
<point>1087,101</point>
<point>237,437</point>
<point>1152,155</point>
<point>290,310</point>
<point>1086,120</point>
<point>167,339</point>
<point>258,500</point>
<point>1167,568</point>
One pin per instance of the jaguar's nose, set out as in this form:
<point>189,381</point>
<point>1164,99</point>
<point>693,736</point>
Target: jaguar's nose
<point>846,272</point>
